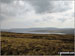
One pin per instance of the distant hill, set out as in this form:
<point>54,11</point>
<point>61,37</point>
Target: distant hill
<point>42,30</point>
<point>63,30</point>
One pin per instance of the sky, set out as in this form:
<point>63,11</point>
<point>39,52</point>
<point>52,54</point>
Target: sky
<point>36,13</point>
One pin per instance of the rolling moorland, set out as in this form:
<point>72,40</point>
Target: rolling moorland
<point>35,44</point>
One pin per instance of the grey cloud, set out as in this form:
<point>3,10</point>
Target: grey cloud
<point>62,19</point>
<point>1,18</point>
<point>41,6</point>
<point>37,21</point>
<point>6,1</point>
<point>49,6</point>
<point>48,18</point>
<point>11,10</point>
<point>73,14</point>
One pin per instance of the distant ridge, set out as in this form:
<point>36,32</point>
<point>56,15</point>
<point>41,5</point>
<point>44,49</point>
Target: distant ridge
<point>42,30</point>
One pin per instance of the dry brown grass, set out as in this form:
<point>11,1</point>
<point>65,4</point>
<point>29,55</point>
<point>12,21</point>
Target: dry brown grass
<point>35,44</point>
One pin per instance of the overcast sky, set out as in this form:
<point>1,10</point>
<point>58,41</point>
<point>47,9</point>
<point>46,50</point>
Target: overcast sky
<point>36,13</point>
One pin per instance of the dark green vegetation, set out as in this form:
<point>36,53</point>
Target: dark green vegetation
<point>35,44</point>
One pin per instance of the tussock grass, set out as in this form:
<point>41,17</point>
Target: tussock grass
<point>35,44</point>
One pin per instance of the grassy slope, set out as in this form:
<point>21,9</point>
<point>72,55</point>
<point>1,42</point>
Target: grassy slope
<point>30,44</point>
